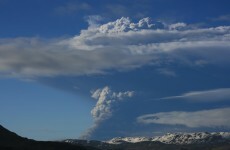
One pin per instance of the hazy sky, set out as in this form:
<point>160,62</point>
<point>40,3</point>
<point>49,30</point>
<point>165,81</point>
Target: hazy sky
<point>98,69</point>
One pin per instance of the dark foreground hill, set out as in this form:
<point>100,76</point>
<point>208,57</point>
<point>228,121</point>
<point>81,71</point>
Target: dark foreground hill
<point>11,141</point>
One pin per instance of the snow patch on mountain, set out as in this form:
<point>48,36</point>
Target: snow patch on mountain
<point>178,138</point>
<point>120,140</point>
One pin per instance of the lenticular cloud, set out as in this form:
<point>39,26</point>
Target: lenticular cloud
<point>119,45</point>
<point>204,118</point>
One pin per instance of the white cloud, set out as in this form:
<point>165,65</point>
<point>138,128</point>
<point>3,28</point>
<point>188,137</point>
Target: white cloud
<point>119,45</point>
<point>204,96</point>
<point>94,20</point>
<point>177,26</point>
<point>125,25</point>
<point>104,108</point>
<point>204,118</point>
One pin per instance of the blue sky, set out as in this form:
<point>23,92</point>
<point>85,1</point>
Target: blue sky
<point>100,69</point>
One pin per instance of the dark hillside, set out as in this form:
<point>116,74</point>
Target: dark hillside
<point>12,141</point>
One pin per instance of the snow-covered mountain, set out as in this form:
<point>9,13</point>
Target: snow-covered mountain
<point>175,141</point>
<point>178,138</point>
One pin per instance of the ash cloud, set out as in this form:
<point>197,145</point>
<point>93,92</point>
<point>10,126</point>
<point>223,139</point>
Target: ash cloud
<point>105,106</point>
<point>120,45</point>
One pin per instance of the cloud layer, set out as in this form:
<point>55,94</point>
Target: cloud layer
<point>119,45</point>
<point>205,96</point>
<point>204,118</point>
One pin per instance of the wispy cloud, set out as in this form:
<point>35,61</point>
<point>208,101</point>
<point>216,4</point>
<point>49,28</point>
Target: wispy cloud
<point>133,9</point>
<point>166,72</point>
<point>119,45</point>
<point>222,18</point>
<point>94,20</point>
<point>205,118</point>
<point>118,9</point>
<point>204,96</point>
<point>72,7</point>
<point>104,108</point>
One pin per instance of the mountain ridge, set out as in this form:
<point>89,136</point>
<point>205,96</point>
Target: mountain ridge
<point>213,141</point>
<point>178,138</point>
<point>175,141</point>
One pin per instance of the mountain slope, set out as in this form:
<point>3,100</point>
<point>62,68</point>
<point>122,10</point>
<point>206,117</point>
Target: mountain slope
<point>9,138</point>
<point>179,141</point>
<point>12,141</point>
